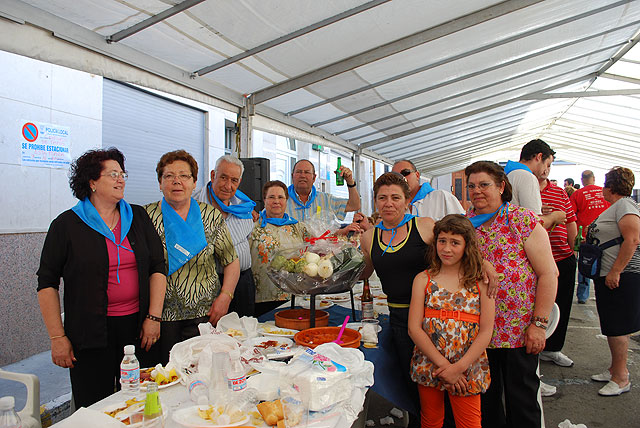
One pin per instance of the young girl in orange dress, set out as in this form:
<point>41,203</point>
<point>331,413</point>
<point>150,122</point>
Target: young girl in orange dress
<point>451,322</point>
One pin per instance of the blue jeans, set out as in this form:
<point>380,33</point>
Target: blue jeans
<point>583,288</point>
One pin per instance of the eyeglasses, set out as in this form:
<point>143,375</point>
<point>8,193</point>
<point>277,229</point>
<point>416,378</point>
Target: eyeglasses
<point>481,186</point>
<point>406,172</point>
<point>180,177</point>
<point>274,198</point>
<point>115,175</point>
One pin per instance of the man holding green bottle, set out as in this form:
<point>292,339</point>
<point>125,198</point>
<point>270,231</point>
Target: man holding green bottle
<point>305,200</point>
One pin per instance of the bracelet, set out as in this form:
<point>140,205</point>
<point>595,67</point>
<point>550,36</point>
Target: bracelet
<point>57,337</point>
<point>544,320</point>
<point>228,293</point>
<point>154,318</point>
<point>351,185</point>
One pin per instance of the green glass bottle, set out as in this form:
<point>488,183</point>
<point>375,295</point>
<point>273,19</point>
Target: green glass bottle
<point>576,244</point>
<point>339,178</point>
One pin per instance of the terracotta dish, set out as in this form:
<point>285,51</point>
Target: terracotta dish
<point>299,319</point>
<point>313,337</point>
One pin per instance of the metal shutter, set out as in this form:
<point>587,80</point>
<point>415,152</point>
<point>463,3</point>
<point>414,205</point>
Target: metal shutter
<point>144,127</point>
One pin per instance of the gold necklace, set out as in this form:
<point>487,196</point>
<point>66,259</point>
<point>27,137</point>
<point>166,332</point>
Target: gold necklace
<point>114,220</point>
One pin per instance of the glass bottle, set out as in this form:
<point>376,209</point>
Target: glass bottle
<point>367,301</point>
<point>339,178</point>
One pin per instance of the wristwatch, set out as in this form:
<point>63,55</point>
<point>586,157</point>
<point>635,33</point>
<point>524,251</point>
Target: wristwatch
<point>540,324</point>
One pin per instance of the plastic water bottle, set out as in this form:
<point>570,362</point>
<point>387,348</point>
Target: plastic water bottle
<point>236,373</point>
<point>152,417</point>
<point>198,389</point>
<point>8,416</point>
<point>130,371</point>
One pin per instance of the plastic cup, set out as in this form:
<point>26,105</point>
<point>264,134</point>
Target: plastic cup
<point>369,332</point>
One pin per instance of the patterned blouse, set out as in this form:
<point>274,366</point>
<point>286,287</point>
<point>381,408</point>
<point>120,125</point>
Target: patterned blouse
<point>192,288</point>
<point>264,241</point>
<point>452,338</point>
<point>503,246</point>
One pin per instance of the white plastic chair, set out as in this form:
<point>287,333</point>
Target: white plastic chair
<point>30,415</point>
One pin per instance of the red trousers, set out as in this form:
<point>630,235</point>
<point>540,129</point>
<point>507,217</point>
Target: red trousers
<point>466,409</point>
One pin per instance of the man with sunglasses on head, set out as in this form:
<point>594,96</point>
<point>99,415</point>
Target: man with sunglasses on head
<point>304,199</point>
<point>425,200</point>
<point>238,212</point>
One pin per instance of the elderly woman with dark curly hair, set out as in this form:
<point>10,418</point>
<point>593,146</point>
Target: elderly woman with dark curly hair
<point>111,260</point>
<point>618,286</point>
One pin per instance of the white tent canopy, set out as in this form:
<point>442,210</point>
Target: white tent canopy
<point>442,82</point>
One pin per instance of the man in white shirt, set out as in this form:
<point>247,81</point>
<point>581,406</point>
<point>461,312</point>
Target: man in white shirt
<point>237,209</point>
<point>535,159</point>
<point>425,200</point>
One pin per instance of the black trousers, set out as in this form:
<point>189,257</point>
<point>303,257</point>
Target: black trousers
<point>96,372</point>
<point>244,298</point>
<point>172,332</point>
<point>564,299</point>
<point>514,375</point>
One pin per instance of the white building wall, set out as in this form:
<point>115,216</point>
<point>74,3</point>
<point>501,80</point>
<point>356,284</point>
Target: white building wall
<point>32,90</point>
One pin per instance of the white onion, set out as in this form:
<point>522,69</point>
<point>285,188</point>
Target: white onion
<point>312,258</point>
<point>311,269</point>
<point>325,269</point>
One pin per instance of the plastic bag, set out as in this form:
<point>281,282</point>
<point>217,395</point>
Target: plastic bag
<point>324,264</point>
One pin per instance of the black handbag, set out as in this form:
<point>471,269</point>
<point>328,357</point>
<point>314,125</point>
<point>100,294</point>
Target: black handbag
<point>590,257</point>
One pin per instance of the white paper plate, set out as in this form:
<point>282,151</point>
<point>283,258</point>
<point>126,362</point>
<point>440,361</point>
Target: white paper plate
<point>356,326</point>
<point>554,317</point>
<point>320,304</point>
<point>189,418</point>
<point>134,408</point>
<point>283,342</point>
<point>273,331</point>
<point>143,385</point>
<point>336,298</point>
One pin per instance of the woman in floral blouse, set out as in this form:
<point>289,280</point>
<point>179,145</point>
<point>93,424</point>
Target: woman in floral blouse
<point>273,229</point>
<point>512,239</point>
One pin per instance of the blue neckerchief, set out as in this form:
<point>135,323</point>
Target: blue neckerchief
<point>480,219</point>
<point>405,219</point>
<point>276,221</point>
<point>89,215</point>
<point>184,239</point>
<point>241,210</point>
<point>512,166</point>
<point>294,196</point>
<point>425,189</point>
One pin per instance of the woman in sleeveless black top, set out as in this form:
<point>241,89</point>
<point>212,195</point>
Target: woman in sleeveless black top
<point>397,252</point>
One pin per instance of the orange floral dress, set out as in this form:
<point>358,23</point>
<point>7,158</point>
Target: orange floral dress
<point>452,338</point>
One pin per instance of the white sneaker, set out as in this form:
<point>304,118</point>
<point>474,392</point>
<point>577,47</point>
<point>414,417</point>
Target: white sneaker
<point>612,389</point>
<point>547,390</point>
<point>557,358</point>
<point>605,376</point>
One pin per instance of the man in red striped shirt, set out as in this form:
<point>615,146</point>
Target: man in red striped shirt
<point>562,237</point>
